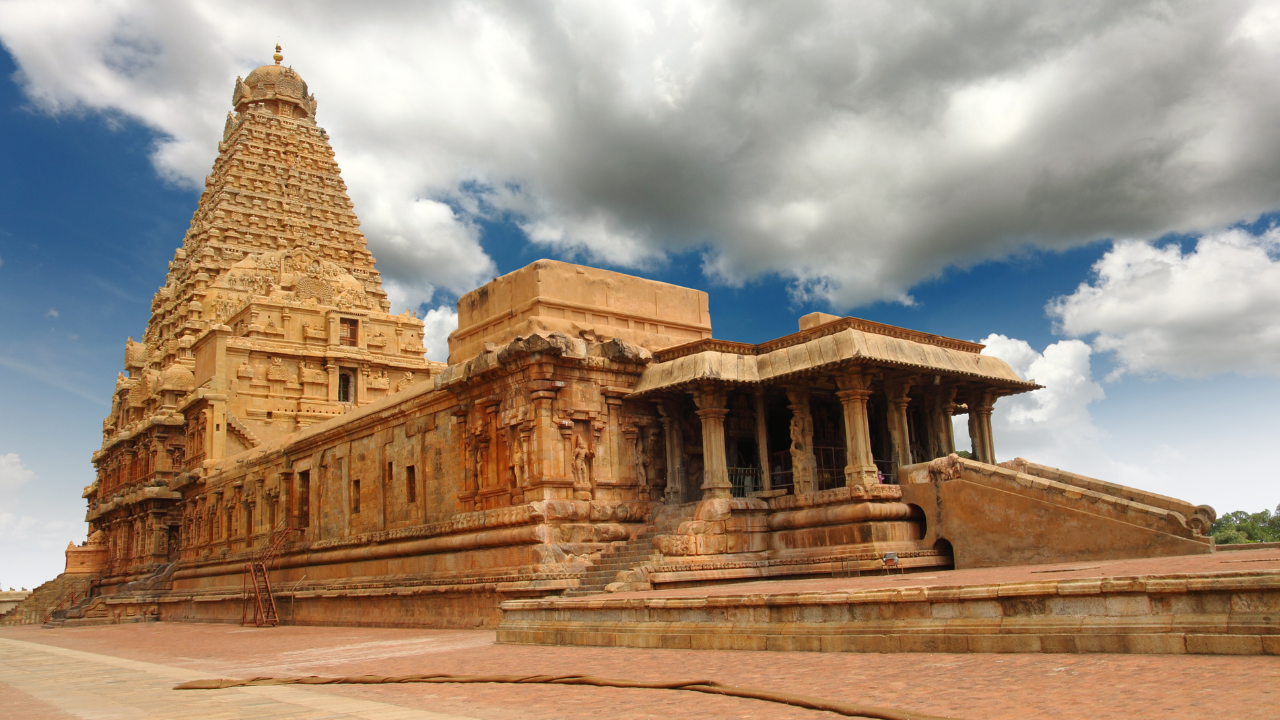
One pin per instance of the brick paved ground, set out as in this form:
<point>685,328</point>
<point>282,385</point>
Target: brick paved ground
<point>38,682</point>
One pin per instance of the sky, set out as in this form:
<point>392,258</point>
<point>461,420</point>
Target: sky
<point>1091,189</point>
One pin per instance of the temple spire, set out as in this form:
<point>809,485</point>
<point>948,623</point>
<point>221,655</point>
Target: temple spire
<point>277,57</point>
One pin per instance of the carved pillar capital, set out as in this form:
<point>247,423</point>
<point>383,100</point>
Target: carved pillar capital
<point>710,396</point>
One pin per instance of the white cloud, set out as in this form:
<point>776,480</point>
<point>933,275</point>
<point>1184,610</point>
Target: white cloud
<point>1142,436</point>
<point>1213,310</point>
<point>52,313</point>
<point>1051,425</point>
<point>853,148</point>
<point>13,475</point>
<point>32,546</point>
<point>436,326</point>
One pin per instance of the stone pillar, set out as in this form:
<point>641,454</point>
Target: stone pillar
<point>980,407</point>
<point>610,457</point>
<point>332,367</point>
<point>159,536</point>
<point>762,440</point>
<point>944,406</point>
<point>853,394</point>
<point>715,468</point>
<point>899,428</point>
<point>803,463</point>
<point>674,444</point>
<point>546,448</point>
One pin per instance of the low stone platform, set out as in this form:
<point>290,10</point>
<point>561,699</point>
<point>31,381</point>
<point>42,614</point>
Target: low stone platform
<point>1223,603</point>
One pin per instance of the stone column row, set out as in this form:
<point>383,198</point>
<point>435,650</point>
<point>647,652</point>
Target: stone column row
<point>854,394</point>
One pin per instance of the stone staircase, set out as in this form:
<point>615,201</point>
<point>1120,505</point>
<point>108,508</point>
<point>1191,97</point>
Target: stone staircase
<point>53,595</point>
<point>241,431</point>
<point>619,557</point>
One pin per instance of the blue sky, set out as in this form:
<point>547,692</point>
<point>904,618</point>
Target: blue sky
<point>1160,352</point>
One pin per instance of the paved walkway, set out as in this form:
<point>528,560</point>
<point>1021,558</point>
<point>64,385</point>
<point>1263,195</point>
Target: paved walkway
<point>126,671</point>
<point>43,681</point>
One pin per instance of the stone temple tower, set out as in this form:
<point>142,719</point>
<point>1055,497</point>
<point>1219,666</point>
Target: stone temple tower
<point>272,317</point>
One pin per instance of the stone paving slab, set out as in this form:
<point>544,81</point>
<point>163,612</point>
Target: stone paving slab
<point>54,682</point>
<point>1098,687</point>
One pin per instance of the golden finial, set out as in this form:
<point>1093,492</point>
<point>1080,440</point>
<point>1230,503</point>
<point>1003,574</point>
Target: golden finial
<point>277,57</point>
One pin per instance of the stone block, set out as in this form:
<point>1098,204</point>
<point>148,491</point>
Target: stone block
<point>1121,605</point>
<point>1155,644</point>
<point>1080,605</point>
<point>1058,644</point>
<point>1224,644</point>
<point>981,609</point>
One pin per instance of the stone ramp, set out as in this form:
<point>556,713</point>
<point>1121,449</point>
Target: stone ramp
<point>1198,517</point>
<point>54,595</point>
<point>1210,604</point>
<point>990,516</point>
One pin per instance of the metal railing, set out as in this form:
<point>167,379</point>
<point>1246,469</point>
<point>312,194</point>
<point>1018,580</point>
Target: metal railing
<point>830,471</point>
<point>745,480</point>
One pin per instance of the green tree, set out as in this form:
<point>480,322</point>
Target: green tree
<point>1242,527</point>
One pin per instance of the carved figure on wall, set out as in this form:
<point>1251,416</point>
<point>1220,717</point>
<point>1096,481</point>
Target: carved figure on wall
<point>641,460</point>
<point>518,469</point>
<point>406,381</point>
<point>314,375</point>
<point>802,471</point>
<point>277,371</point>
<point>581,464</point>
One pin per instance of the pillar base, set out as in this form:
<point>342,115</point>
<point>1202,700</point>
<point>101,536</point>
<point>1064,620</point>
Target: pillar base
<point>863,476</point>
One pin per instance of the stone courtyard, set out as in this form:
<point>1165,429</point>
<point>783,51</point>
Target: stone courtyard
<point>126,671</point>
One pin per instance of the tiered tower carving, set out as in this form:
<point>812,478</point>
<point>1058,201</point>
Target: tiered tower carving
<point>272,317</point>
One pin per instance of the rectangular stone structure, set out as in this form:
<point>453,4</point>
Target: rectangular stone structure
<point>552,296</point>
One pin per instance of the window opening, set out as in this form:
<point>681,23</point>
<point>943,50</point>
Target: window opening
<point>348,332</point>
<point>304,498</point>
<point>344,387</point>
<point>355,496</point>
<point>411,483</point>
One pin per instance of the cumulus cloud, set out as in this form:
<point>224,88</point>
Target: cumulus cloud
<point>1051,425</point>
<point>1215,309</point>
<point>852,148</point>
<point>13,475</point>
<point>436,326</point>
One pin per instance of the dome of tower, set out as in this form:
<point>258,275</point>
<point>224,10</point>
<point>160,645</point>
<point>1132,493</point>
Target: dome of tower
<point>273,83</point>
<point>177,377</point>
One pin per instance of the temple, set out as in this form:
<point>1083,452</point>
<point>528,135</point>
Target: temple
<point>279,449</point>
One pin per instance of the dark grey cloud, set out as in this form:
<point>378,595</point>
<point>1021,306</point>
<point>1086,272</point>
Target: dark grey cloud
<point>853,148</point>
